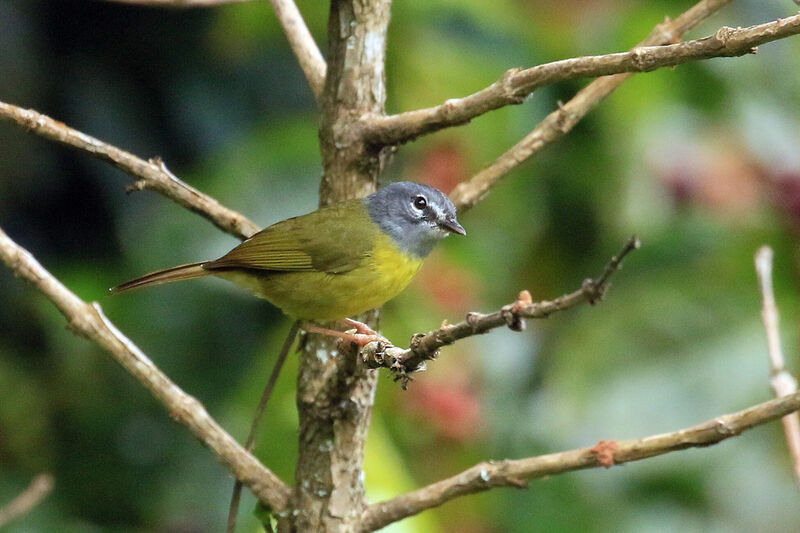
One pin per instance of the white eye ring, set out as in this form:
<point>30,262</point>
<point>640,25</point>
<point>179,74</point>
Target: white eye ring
<point>419,202</point>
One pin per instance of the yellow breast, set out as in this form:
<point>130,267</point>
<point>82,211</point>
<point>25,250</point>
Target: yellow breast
<point>320,296</point>
<point>384,273</point>
<point>395,269</point>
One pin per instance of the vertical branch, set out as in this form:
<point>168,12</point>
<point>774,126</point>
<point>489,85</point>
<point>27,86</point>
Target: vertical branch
<point>355,85</point>
<point>335,395</point>
<point>781,381</point>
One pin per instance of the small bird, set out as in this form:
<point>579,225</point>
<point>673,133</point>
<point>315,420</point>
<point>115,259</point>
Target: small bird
<point>338,261</point>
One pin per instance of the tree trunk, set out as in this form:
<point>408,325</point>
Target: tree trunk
<point>335,394</point>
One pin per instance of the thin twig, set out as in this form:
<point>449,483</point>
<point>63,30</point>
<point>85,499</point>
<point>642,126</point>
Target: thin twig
<point>250,444</point>
<point>782,382</point>
<point>300,39</point>
<point>517,84</point>
<point>561,121</point>
<point>39,487</point>
<point>179,4</point>
<point>88,320</point>
<point>152,174</point>
<point>303,45</point>
<point>425,346</point>
<point>516,473</point>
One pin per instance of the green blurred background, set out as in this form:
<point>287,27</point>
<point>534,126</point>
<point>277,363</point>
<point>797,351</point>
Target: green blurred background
<point>701,161</point>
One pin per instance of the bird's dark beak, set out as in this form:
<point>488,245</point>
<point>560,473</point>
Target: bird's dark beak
<point>452,225</point>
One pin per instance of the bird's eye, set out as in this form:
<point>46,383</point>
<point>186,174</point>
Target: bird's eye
<point>420,202</point>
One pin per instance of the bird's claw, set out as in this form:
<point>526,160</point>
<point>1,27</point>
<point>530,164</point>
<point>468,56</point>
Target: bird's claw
<point>362,334</point>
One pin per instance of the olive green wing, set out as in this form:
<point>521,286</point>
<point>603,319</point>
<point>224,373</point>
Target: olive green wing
<point>333,239</point>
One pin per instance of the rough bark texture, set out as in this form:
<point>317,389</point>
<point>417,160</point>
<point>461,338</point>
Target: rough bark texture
<point>335,395</point>
<point>355,85</point>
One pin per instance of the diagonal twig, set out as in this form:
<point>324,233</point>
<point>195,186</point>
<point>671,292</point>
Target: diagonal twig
<point>424,347</point>
<point>178,4</point>
<point>517,84</point>
<point>88,320</point>
<point>561,121</point>
<point>38,489</point>
<point>303,45</point>
<point>250,443</point>
<point>781,381</point>
<point>152,174</point>
<point>516,473</point>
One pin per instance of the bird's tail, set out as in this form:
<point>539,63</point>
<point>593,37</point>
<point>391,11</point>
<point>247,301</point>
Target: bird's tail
<point>194,270</point>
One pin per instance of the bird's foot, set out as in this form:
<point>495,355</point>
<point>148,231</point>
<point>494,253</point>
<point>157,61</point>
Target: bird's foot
<point>360,334</point>
<point>364,334</point>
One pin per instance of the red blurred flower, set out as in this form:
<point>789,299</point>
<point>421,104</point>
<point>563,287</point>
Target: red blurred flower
<point>452,288</point>
<point>443,166</point>
<point>453,408</point>
<point>715,173</point>
<point>785,194</point>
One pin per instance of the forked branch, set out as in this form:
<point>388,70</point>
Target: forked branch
<point>562,120</point>
<point>425,346</point>
<point>516,473</point>
<point>517,84</point>
<point>88,320</point>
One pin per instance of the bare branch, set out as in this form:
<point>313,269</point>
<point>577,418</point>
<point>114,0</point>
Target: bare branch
<point>517,84</point>
<point>516,473</point>
<point>40,487</point>
<point>302,43</point>
<point>782,382</point>
<point>152,174</point>
<point>561,121</point>
<point>300,39</point>
<point>250,443</point>
<point>179,4</point>
<point>88,320</point>
<point>425,347</point>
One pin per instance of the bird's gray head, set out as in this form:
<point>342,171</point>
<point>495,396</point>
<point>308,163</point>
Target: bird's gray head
<point>416,216</point>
